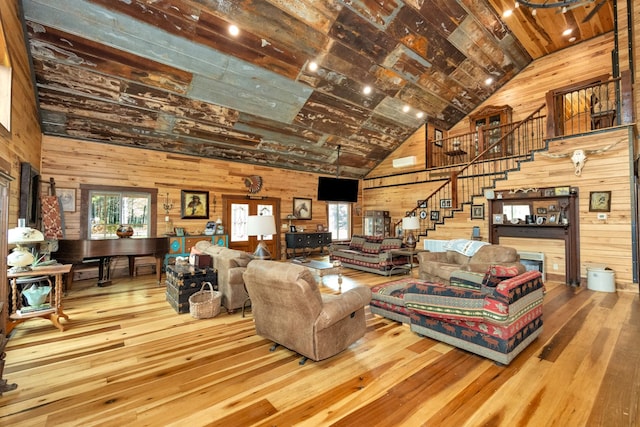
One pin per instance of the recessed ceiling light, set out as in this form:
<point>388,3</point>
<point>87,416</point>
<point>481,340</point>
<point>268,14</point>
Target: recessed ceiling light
<point>366,90</point>
<point>419,114</point>
<point>233,30</point>
<point>567,32</point>
<point>507,13</point>
<point>534,12</point>
<point>313,66</point>
<point>405,108</point>
<point>488,81</point>
<point>572,39</point>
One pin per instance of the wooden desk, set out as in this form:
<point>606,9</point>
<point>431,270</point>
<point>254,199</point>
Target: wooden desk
<point>55,312</point>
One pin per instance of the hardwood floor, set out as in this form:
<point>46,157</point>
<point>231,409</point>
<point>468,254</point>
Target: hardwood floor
<point>126,358</point>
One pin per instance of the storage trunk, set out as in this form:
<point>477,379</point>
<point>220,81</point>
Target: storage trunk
<point>184,281</point>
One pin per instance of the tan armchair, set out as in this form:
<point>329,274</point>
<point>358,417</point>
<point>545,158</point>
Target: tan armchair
<point>289,310</point>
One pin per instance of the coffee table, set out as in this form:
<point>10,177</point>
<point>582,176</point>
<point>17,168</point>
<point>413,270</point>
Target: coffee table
<point>322,268</point>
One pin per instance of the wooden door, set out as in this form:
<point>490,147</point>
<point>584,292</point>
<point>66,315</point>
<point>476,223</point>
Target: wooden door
<point>237,209</point>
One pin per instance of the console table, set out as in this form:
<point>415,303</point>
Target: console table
<point>312,240</point>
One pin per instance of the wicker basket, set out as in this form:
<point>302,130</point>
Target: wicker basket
<point>205,304</point>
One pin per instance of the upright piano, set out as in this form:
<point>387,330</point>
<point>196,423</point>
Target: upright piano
<point>75,252</point>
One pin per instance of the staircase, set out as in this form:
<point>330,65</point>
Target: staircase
<point>517,144</point>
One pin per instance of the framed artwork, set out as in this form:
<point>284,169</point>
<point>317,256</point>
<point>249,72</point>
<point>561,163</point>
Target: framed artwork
<point>549,192</point>
<point>477,211</point>
<point>600,201</point>
<point>541,211</point>
<point>435,216</point>
<point>498,218</point>
<point>422,203</point>
<point>445,203</point>
<point>67,197</point>
<point>302,208</point>
<point>194,204</point>
<point>437,137</point>
<point>562,191</point>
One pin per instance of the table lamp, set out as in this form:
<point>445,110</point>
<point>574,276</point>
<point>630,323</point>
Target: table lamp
<point>410,223</point>
<point>21,258</point>
<point>261,225</point>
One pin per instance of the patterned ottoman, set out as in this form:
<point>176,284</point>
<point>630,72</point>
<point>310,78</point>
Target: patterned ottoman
<point>387,300</point>
<point>497,321</point>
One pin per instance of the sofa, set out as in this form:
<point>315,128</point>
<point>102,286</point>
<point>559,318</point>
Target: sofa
<point>230,264</point>
<point>496,319</point>
<point>289,310</point>
<point>370,253</point>
<point>462,255</point>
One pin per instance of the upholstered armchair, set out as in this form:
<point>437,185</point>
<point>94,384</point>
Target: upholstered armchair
<point>289,310</point>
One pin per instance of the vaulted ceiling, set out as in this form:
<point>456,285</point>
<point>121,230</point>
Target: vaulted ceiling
<point>167,74</point>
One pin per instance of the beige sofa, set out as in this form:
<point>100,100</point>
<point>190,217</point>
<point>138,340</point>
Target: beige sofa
<point>230,264</point>
<point>289,310</point>
<point>466,257</point>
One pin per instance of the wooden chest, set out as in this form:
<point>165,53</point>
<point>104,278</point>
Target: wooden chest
<point>184,281</point>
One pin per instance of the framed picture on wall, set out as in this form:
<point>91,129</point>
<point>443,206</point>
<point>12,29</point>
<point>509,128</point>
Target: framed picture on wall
<point>194,204</point>
<point>437,137</point>
<point>600,201</point>
<point>477,211</point>
<point>67,197</point>
<point>302,208</point>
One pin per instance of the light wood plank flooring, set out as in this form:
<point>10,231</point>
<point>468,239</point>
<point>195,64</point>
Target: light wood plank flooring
<point>126,358</point>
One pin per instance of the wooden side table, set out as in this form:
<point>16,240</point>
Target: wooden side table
<point>54,313</point>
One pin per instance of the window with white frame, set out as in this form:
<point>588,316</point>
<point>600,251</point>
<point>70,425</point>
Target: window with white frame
<point>339,215</point>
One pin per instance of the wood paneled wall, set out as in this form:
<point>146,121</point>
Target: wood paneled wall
<point>73,162</point>
<point>607,241</point>
<point>23,143</point>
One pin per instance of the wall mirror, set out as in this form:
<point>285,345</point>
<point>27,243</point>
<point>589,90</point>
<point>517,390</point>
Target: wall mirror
<point>516,212</point>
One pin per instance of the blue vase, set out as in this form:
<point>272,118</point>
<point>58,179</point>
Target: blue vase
<point>36,295</point>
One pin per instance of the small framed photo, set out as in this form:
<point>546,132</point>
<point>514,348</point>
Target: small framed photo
<point>445,203</point>
<point>422,204</point>
<point>600,201</point>
<point>67,197</point>
<point>553,208</point>
<point>179,231</point>
<point>477,211</point>
<point>302,208</point>
<point>435,216</point>
<point>562,191</point>
<point>194,204</point>
<point>498,218</point>
<point>552,219</point>
<point>541,211</point>
<point>437,137</point>
<point>549,192</point>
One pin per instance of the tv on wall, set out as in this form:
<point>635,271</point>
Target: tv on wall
<point>337,189</point>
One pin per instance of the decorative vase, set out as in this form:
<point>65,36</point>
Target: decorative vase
<point>124,231</point>
<point>36,295</point>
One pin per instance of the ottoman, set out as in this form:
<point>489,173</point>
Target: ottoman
<point>387,300</point>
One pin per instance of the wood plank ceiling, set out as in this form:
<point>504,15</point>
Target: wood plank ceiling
<point>167,75</point>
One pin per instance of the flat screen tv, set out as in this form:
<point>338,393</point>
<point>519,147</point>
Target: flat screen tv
<point>337,189</point>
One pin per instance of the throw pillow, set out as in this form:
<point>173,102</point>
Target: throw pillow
<point>497,273</point>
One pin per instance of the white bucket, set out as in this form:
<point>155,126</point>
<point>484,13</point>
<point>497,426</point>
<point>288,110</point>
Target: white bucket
<point>600,278</point>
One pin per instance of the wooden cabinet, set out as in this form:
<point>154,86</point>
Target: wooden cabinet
<point>304,241</point>
<point>377,223</point>
<point>181,245</point>
<point>547,213</point>
<point>491,123</point>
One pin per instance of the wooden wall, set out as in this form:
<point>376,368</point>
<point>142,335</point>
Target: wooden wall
<point>73,162</point>
<point>23,143</point>
<point>606,242</point>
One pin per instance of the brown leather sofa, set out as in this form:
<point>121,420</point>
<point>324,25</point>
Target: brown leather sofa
<point>289,310</point>
<point>475,259</point>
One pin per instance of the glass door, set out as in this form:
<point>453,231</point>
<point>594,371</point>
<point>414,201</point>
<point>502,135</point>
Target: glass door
<point>237,210</point>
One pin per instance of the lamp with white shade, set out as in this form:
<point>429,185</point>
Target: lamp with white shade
<point>410,223</point>
<point>261,225</point>
<point>21,258</point>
